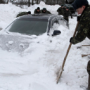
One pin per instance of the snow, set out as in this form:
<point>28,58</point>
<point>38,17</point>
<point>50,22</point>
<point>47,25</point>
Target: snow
<point>36,68</point>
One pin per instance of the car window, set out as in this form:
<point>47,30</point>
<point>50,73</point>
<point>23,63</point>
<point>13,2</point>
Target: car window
<point>55,21</point>
<point>55,26</point>
<point>30,27</point>
<point>62,22</point>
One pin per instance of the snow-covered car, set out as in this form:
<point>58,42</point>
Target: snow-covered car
<point>25,29</point>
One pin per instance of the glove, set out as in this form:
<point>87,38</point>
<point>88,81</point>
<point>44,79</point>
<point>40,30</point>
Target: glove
<point>71,39</point>
<point>78,18</point>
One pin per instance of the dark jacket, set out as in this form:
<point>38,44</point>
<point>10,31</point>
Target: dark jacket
<point>22,13</point>
<point>67,13</point>
<point>60,11</point>
<point>37,12</point>
<point>45,12</point>
<point>83,28</point>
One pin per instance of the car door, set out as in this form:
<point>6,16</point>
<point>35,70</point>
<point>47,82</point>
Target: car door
<point>56,20</point>
<point>59,20</point>
<point>62,21</point>
<point>52,22</point>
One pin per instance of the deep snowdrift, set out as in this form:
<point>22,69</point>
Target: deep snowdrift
<point>36,67</point>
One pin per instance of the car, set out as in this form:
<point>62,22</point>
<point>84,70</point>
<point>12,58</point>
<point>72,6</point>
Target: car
<point>25,29</point>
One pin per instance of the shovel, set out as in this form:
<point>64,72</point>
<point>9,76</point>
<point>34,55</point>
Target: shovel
<point>82,46</point>
<point>61,69</point>
<point>83,55</point>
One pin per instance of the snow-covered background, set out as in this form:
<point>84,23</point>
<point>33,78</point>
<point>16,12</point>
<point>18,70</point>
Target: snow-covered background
<point>36,68</point>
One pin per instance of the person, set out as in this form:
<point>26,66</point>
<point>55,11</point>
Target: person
<point>66,15</point>
<point>82,7</point>
<point>23,13</point>
<point>37,11</point>
<point>45,11</point>
<point>29,12</point>
<point>60,10</point>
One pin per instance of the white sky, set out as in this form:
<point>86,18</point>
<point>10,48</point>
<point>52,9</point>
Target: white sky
<point>36,67</point>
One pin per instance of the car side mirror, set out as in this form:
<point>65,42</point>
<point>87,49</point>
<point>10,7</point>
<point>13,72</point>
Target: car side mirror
<point>56,32</point>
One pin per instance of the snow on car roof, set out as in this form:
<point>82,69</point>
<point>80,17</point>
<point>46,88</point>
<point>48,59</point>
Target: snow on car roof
<point>38,16</point>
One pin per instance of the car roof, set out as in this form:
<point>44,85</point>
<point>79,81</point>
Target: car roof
<point>38,16</point>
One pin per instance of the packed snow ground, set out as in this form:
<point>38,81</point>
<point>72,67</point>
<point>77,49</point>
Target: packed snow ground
<point>36,68</point>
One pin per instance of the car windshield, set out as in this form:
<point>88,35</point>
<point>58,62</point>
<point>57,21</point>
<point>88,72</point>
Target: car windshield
<point>29,26</point>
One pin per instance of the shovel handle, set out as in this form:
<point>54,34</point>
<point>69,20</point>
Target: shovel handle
<point>58,77</point>
<point>83,55</point>
<point>85,45</point>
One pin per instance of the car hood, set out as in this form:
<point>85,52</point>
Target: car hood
<point>17,43</point>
